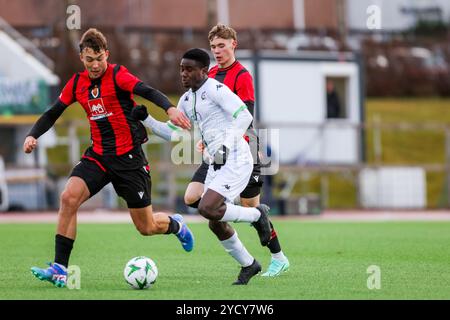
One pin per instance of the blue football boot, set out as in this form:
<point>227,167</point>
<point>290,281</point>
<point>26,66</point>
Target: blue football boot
<point>56,274</point>
<point>184,235</point>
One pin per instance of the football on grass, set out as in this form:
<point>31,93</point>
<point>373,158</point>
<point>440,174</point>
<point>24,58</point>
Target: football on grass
<point>140,272</point>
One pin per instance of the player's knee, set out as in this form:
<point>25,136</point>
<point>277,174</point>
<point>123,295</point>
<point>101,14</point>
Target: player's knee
<point>69,199</point>
<point>193,204</point>
<point>249,203</point>
<point>191,198</point>
<point>208,211</point>
<point>252,202</point>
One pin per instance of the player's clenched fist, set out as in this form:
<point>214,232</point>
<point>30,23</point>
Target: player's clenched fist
<point>178,118</point>
<point>29,144</point>
<point>139,112</point>
<point>199,146</point>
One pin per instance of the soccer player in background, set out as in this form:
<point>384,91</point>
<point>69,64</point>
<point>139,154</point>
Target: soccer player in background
<point>105,91</point>
<point>229,71</point>
<point>222,118</point>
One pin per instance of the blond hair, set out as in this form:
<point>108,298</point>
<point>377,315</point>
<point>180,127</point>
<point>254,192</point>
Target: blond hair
<point>222,31</point>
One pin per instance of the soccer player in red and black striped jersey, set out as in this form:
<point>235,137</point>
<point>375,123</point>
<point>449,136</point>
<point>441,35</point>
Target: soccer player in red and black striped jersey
<point>223,43</point>
<point>105,92</point>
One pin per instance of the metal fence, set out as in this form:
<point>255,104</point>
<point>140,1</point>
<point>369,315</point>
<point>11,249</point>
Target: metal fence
<point>298,186</point>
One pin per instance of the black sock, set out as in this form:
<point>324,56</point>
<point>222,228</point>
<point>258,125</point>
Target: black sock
<point>63,248</point>
<point>174,226</point>
<point>195,204</point>
<point>274,244</point>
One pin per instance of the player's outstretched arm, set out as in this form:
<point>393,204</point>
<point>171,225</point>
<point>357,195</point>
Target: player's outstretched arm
<point>128,82</point>
<point>165,130</point>
<point>45,122</point>
<point>161,100</point>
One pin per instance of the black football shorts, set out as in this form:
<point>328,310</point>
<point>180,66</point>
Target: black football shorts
<point>129,174</point>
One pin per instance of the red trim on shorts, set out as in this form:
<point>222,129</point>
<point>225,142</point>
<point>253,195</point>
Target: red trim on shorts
<point>96,161</point>
<point>273,234</point>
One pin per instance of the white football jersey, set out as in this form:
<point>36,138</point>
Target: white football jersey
<point>213,107</point>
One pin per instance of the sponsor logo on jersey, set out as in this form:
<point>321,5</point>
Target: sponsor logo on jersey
<point>219,86</point>
<point>98,109</point>
<point>203,96</point>
<point>227,186</point>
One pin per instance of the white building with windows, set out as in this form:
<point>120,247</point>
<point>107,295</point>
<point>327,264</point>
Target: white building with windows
<point>291,97</point>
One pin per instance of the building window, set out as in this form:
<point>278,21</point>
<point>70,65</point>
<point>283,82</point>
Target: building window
<point>336,97</point>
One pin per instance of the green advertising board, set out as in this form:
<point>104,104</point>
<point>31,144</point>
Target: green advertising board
<point>20,97</point>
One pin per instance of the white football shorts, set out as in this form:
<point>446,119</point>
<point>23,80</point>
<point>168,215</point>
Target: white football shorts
<point>233,177</point>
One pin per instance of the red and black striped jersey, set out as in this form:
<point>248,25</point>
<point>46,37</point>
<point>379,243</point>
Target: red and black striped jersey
<point>107,102</point>
<point>239,80</point>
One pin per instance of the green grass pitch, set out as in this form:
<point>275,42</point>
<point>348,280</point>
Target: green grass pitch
<point>329,260</point>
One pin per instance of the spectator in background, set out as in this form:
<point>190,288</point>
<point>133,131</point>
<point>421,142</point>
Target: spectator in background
<point>333,105</point>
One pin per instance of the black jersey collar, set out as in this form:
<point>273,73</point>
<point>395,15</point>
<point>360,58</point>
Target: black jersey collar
<point>228,68</point>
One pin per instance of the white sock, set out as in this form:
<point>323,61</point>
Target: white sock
<point>237,250</point>
<point>179,230</point>
<point>279,256</point>
<point>235,213</point>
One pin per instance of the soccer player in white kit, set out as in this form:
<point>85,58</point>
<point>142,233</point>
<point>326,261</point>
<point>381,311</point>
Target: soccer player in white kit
<point>223,119</point>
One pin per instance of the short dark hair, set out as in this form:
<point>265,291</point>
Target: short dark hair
<point>93,39</point>
<point>198,55</point>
